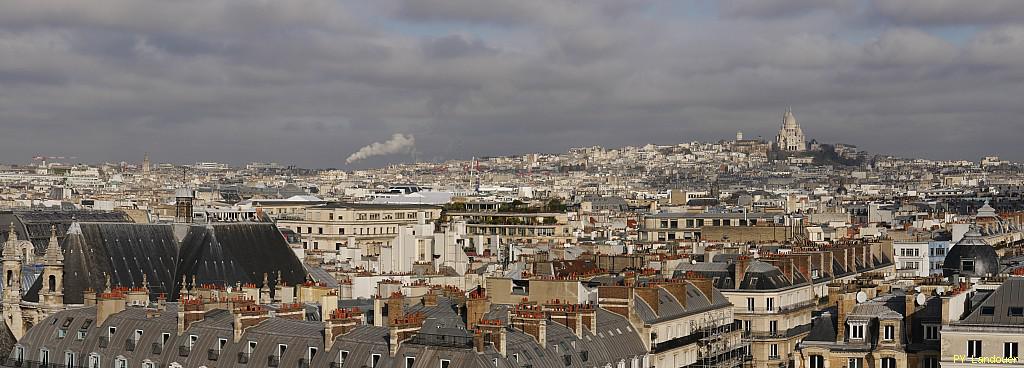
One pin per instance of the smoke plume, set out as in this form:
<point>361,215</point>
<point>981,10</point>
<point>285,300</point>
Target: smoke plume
<point>399,143</point>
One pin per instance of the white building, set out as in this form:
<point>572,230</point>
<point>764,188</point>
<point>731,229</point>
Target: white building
<point>791,137</point>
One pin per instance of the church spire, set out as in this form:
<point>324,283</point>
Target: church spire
<point>11,245</point>
<point>53,253</point>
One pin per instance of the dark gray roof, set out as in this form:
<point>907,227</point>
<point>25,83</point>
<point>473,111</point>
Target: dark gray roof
<point>971,248</point>
<point>1008,295</point>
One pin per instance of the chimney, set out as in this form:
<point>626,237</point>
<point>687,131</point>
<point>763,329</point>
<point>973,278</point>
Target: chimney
<point>826,264</point>
<point>291,311</point>
<point>491,331</point>
<point>430,299</point>
<point>190,310</point>
<point>629,279</point>
<point>247,316</point>
<point>572,316</point>
<point>532,321</point>
<point>108,304</point>
<point>340,322</point>
<point>615,299</point>
<point>396,305</point>
<point>649,295</point>
<point>910,306</point>
<point>740,269</point>
<point>803,264</point>
<point>846,303</point>
<point>477,306</point>
<point>677,289</point>
<point>705,285</point>
<point>403,328</point>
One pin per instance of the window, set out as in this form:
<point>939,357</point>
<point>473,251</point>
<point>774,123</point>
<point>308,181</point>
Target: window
<point>931,362</point>
<point>148,364</point>
<point>319,230</point>
<point>515,357</point>
<point>310,353</point>
<point>770,304</point>
<point>967,265</point>
<point>974,348</point>
<point>280,349</point>
<point>773,351</point>
<point>750,304</point>
<point>374,360</point>
<point>69,359</point>
<point>855,363</point>
<point>220,344</point>
<point>409,361</point>
<point>251,348</point>
<point>931,332</point>
<point>888,362</point>
<point>856,331</point>
<point>44,356</point>
<point>1016,311</point>
<point>121,362</point>
<point>164,337</point>
<point>817,361</point>
<point>890,332</point>
<point>988,311</point>
<point>19,354</point>
<point>773,327</point>
<point>94,361</point>
<point>342,356</point>
<point>192,339</point>
<point>746,326</point>
<point>1009,349</point>
<point>137,336</point>
<point>445,362</point>
<point>110,332</point>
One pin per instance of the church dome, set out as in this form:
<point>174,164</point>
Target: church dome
<point>788,120</point>
<point>971,257</point>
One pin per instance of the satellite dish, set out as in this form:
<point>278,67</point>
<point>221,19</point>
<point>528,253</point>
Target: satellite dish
<point>862,297</point>
<point>940,290</point>
<point>693,261</point>
<point>917,289</point>
<point>920,299</point>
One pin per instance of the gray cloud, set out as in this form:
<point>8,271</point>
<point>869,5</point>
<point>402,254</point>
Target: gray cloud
<point>311,82</point>
<point>949,12</point>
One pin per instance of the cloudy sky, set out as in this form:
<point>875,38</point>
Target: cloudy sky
<point>309,82</point>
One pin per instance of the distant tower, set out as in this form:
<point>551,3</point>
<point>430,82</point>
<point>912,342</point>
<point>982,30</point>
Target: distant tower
<point>183,205</point>
<point>51,298</point>
<point>791,137</point>
<point>12,284</point>
<point>146,166</point>
<point>739,136</point>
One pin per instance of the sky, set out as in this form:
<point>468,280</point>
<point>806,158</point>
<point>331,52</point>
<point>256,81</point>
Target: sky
<point>311,82</point>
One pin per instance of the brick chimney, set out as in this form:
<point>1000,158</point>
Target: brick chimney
<point>740,269</point>
<point>396,305</point>
<point>615,299</point>
<point>532,321</point>
<point>677,289</point>
<point>403,328</point>
<point>910,306</point>
<point>430,299</point>
<point>649,295</point>
<point>477,305</point>
<point>845,306</point>
<point>491,331</point>
<point>573,316</point>
<point>108,304</point>
<point>291,311</point>
<point>190,310</point>
<point>340,322</point>
<point>826,264</point>
<point>247,316</point>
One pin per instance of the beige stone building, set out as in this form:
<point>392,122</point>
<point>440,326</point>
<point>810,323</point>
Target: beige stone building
<point>333,226</point>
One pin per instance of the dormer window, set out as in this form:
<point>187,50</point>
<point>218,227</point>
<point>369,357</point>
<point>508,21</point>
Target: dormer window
<point>967,265</point>
<point>856,331</point>
<point>889,332</point>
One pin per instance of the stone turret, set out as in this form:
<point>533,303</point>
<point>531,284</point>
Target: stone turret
<point>12,262</point>
<point>51,297</point>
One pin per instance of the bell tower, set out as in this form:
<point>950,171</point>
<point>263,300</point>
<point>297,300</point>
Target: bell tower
<point>12,284</point>
<point>51,297</point>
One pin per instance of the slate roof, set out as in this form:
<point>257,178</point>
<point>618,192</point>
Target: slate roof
<point>1008,295</point>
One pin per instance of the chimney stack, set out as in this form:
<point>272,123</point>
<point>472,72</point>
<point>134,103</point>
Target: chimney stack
<point>740,269</point>
<point>403,328</point>
<point>491,331</point>
<point>531,320</point>
<point>190,310</point>
<point>615,299</point>
<point>847,302</point>
<point>340,322</point>
<point>108,304</point>
<point>572,316</point>
<point>477,306</point>
<point>247,316</point>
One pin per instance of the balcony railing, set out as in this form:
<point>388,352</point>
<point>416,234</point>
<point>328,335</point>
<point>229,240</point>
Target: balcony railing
<point>212,354</point>
<point>779,334</point>
<point>157,348</point>
<point>104,341</point>
<point>243,358</point>
<point>129,345</point>
<point>273,361</point>
<point>442,340</point>
<point>184,350</point>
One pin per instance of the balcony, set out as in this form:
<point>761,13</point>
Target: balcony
<point>792,332</point>
<point>184,350</point>
<point>212,354</point>
<point>243,358</point>
<point>273,361</point>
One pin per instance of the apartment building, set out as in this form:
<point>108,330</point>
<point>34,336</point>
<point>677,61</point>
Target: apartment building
<point>333,226</point>
<point>519,227</point>
<point>992,332</point>
<point>735,227</point>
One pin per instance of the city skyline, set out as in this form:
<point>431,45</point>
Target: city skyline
<point>311,82</point>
